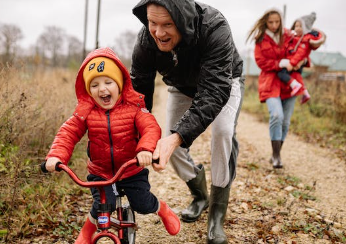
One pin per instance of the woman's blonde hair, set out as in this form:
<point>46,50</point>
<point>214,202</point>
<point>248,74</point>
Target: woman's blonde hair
<point>258,30</point>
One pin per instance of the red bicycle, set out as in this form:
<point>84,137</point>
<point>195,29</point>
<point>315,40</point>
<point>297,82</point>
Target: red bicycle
<point>124,223</point>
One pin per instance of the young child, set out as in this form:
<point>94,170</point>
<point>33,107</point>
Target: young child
<point>299,48</point>
<point>119,128</point>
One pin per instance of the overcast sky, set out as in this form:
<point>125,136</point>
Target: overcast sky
<point>31,16</point>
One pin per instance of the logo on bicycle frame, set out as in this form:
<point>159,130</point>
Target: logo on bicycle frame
<point>102,220</point>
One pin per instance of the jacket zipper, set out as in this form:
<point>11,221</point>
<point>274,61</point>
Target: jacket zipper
<point>175,57</point>
<point>110,140</point>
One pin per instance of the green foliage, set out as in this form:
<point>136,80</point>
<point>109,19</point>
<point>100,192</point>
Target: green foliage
<point>289,180</point>
<point>252,166</point>
<point>319,229</point>
<point>303,195</point>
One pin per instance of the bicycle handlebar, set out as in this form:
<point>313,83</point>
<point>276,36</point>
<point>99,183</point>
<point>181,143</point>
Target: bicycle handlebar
<point>60,166</point>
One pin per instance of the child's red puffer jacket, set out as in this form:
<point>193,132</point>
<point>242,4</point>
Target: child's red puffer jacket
<point>115,136</point>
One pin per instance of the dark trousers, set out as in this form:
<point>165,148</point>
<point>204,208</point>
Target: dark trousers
<point>136,188</point>
<point>285,75</point>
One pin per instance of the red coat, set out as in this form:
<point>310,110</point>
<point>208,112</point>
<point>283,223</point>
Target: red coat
<point>115,136</point>
<point>304,48</point>
<point>268,55</point>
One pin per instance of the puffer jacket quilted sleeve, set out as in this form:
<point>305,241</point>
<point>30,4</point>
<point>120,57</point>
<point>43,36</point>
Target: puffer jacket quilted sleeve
<point>69,134</point>
<point>149,131</point>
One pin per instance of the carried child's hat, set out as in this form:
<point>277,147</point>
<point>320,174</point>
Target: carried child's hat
<point>102,66</point>
<point>307,22</point>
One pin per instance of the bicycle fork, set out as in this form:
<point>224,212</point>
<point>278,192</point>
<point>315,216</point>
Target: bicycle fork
<point>104,220</point>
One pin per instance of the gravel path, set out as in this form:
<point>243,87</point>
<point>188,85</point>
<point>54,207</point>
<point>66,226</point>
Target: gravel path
<point>308,162</point>
<point>253,215</point>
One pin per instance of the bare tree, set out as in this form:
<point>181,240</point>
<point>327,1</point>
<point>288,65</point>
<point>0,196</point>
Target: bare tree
<point>51,43</point>
<point>124,45</point>
<point>75,51</point>
<point>9,36</point>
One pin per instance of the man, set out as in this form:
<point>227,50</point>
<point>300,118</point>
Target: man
<point>190,44</point>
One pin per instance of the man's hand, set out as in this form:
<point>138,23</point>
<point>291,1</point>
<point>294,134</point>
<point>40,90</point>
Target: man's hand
<point>164,149</point>
<point>51,162</point>
<point>144,158</point>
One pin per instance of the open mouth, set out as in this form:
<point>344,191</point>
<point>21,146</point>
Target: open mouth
<point>106,99</point>
<point>164,41</point>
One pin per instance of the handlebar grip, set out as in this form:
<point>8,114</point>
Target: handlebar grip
<point>154,161</point>
<point>57,168</point>
<point>44,169</point>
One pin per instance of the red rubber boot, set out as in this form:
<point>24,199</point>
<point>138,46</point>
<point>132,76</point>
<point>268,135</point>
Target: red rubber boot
<point>305,97</point>
<point>86,232</point>
<point>295,86</point>
<point>169,219</point>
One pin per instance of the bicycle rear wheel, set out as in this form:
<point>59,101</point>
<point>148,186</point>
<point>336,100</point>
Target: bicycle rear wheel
<point>129,233</point>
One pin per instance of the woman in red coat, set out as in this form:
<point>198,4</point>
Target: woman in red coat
<point>119,128</point>
<point>270,45</point>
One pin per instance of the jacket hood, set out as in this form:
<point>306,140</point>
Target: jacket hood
<point>85,101</point>
<point>183,13</point>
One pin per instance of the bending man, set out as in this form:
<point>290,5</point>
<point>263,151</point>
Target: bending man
<point>190,44</point>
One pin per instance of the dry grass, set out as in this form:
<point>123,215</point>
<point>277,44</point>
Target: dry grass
<point>33,106</point>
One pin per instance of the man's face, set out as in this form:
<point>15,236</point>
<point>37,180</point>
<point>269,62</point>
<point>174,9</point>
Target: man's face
<point>162,28</point>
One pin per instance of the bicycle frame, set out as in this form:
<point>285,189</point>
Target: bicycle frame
<point>105,221</point>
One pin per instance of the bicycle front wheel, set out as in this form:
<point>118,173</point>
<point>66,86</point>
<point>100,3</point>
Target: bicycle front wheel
<point>129,233</point>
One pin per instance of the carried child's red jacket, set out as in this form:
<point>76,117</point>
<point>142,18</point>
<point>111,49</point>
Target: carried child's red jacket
<point>299,47</point>
<point>115,136</point>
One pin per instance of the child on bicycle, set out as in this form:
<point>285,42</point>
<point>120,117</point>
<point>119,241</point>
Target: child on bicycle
<point>119,128</point>
<point>299,48</point>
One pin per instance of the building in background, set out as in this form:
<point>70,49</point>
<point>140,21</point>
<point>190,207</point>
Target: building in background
<point>325,66</point>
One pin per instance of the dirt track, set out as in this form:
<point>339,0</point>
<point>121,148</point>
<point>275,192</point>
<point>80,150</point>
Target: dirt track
<point>262,207</point>
<point>308,162</point>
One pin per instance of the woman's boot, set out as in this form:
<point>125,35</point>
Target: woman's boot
<point>87,231</point>
<point>199,192</point>
<point>276,159</point>
<point>169,218</point>
<point>217,212</point>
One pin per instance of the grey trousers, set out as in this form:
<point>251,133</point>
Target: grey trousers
<point>224,146</point>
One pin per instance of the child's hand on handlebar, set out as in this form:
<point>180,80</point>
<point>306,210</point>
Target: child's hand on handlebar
<point>51,162</point>
<point>144,158</point>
